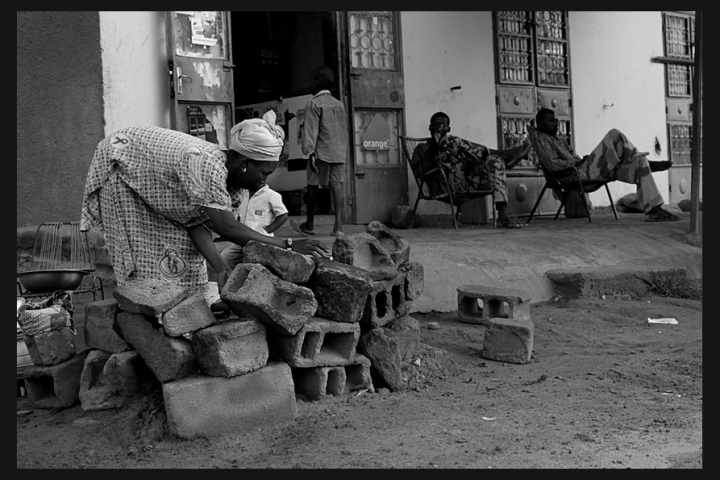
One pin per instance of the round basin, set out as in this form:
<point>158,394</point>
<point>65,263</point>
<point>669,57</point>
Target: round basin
<point>51,280</point>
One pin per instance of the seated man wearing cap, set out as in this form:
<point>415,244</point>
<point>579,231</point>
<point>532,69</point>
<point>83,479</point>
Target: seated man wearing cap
<point>157,193</point>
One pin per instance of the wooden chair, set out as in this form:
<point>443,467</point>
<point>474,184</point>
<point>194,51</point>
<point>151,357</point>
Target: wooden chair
<point>409,144</point>
<point>556,180</point>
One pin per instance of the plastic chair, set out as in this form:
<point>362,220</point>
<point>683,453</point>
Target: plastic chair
<point>558,180</point>
<point>409,144</point>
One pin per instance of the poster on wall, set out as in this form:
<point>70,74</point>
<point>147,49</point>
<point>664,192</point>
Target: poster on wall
<point>300,115</point>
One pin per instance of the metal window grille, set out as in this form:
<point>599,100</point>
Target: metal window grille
<point>680,143</point>
<point>372,40</point>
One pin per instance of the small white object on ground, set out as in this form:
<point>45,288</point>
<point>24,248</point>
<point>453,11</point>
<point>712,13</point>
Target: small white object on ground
<point>489,419</point>
<point>663,321</point>
<point>433,325</point>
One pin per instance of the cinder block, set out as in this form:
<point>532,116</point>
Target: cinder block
<point>319,382</point>
<point>99,328</point>
<point>383,349</point>
<point>508,340</point>
<point>319,343</point>
<point>394,244</point>
<point>203,405</point>
<point>191,314</point>
<point>357,374</point>
<point>364,251</point>
<point>51,348</point>
<point>385,303</point>
<point>148,297</point>
<point>341,290</point>
<point>109,380</point>
<point>414,279</point>
<point>169,358</point>
<point>288,265</point>
<point>477,212</point>
<point>478,304</point>
<point>253,291</point>
<point>231,348</point>
<point>57,386</point>
<point>407,331</point>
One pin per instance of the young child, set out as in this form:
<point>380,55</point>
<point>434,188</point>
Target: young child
<point>324,140</point>
<point>263,211</point>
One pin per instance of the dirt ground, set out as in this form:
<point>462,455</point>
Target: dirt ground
<point>604,389</point>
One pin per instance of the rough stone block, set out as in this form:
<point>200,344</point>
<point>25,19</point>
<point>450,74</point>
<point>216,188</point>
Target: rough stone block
<point>231,348</point>
<point>99,328</point>
<point>341,290</point>
<point>51,348</point>
<point>288,265</point>
<point>508,340</point>
<point>402,216</point>
<point>414,279</point>
<point>109,380</point>
<point>148,297</point>
<point>319,382</point>
<point>169,358</point>
<point>203,405</point>
<point>57,386</point>
<point>364,251</point>
<point>477,212</point>
<point>384,303</point>
<point>407,331</point>
<point>478,304</point>
<point>318,343</point>
<point>253,291</point>
<point>606,280</point>
<point>383,350</point>
<point>191,314</point>
<point>394,244</point>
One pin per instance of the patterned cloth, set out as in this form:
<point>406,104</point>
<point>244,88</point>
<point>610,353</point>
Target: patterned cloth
<point>615,158</point>
<point>469,166</point>
<point>325,130</point>
<point>145,186</point>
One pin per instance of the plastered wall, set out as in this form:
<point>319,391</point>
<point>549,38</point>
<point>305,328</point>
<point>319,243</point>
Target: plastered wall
<point>59,112</point>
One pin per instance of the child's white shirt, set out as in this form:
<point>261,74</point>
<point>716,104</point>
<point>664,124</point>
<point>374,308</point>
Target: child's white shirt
<point>261,209</point>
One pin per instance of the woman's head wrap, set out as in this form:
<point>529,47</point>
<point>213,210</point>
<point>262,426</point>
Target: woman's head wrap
<point>258,139</point>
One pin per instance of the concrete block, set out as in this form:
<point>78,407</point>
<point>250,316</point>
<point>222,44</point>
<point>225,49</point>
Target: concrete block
<point>191,314</point>
<point>364,251</point>
<point>384,303</point>
<point>508,340</point>
<point>51,348</point>
<point>203,405</point>
<point>357,374</point>
<point>478,304</point>
<point>394,244</point>
<point>477,212</point>
<point>169,358</point>
<point>99,328</point>
<point>383,350</point>
<point>407,330</point>
<point>109,380</point>
<point>319,342</point>
<point>231,348</point>
<point>253,291</point>
<point>57,386</point>
<point>414,279</point>
<point>319,382</point>
<point>148,297</point>
<point>288,265</point>
<point>402,217</point>
<point>341,290</point>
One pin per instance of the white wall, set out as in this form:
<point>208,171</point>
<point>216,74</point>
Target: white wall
<point>135,80</point>
<point>610,62</point>
<point>443,50</point>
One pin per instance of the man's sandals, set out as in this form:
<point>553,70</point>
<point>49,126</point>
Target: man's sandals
<point>512,223</point>
<point>664,217</point>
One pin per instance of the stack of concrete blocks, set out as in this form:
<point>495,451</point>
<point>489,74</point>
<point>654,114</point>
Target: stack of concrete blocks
<point>505,312</point>
<point>362,332</point>
<point>54,379</point>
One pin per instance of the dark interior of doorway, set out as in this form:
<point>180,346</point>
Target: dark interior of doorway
<point>274,53</point>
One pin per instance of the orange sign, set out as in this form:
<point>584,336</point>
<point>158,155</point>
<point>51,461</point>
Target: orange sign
<point>377,135</point>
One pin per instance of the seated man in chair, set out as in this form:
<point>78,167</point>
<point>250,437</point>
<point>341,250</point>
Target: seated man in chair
<point>615,158</point>
<point>469,166</point>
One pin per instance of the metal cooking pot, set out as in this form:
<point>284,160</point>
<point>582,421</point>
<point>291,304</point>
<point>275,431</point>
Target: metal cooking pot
<point>51,280</point>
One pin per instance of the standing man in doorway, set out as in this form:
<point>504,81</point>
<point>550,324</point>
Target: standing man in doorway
<point>325,141</point>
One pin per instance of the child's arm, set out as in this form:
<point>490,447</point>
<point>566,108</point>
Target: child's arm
<point>277,223</point>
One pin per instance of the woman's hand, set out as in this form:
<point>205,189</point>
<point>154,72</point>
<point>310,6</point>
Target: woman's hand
<point>309,246</point>
<point>222,277</point>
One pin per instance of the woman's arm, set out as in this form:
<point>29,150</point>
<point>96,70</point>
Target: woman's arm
<point>202,238</point>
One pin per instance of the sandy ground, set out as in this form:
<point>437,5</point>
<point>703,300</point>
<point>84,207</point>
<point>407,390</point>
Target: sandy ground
<point>604,389</point>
